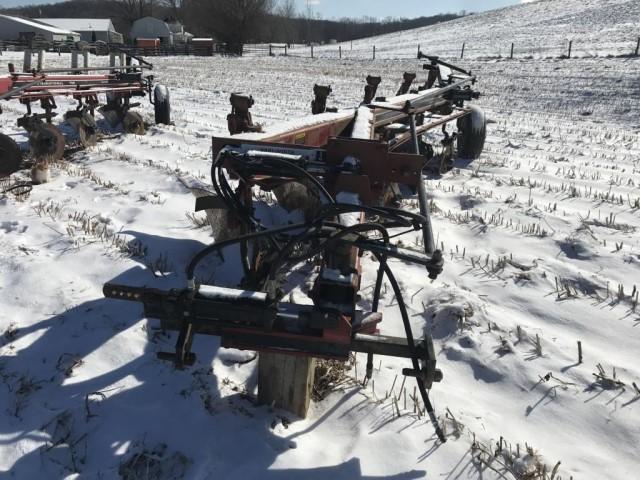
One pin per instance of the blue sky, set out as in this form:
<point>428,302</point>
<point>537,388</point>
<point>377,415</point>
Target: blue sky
<point>359,8</point>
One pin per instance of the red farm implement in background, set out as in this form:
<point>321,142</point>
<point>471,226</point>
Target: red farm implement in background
<point>347,171</point>
<point>117,85</point>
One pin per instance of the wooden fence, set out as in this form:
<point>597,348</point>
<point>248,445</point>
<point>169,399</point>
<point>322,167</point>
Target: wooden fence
<point>467,50</point>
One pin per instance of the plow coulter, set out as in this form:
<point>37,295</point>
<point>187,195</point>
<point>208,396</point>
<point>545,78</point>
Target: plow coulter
<point>118,84</point>
<point>347,171</point>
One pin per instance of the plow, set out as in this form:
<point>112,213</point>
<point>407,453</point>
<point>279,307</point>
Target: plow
<point>118,84</point>
<point>346,172</point>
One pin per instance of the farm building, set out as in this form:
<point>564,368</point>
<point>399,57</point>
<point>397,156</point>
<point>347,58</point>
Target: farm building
<point>150,27</point>
<point>17,28</point>
<point>180,35</point>
<point>90,29</point>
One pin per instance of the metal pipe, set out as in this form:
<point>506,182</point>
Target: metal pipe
<point>427,231</point>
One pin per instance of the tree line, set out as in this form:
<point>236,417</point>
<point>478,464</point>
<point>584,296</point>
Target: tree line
<point>235,22</point>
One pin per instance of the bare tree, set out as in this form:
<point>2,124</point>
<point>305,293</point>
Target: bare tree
<point>132,10</point>
<point>235,22</point>
<point>175,7</point>
<point>282,26</point>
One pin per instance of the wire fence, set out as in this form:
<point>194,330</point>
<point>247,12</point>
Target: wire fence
<point>567,49</point>
<point>513,50</point>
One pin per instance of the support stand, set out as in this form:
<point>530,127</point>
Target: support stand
<point>286,382</point>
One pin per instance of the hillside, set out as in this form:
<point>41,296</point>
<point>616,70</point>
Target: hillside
<point>539,29</point>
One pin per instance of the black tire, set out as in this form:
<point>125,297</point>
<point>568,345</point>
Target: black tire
<point>10,156</point>
<point>472,132</point>
<point>162,104</point>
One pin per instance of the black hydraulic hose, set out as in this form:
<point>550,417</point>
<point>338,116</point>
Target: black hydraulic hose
<point>283,258</point>
<point>226,193</point>
<point>191,267</point>
<point>412,348</point>
<point>401,305</point>
<point>306,174</point>
<point>396,214</point>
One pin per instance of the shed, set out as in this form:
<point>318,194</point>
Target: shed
<point>150,27</point>
<point>90,29</point>
<point>18,28</point>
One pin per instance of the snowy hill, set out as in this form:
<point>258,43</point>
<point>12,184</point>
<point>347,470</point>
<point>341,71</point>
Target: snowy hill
<point>539,29</point>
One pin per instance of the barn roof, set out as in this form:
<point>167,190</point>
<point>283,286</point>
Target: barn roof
<point>42,26</point>
<point>81,24</point>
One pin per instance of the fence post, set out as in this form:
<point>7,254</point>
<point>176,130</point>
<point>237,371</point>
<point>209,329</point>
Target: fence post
<point>270,50</point>
<point>74,60</point>
<point>26,65</point>
<point>570,48</point>
<point>374,52</point>
<point>311,51</point>
<point>511,50</point>
<point>285,50</point>
<point>638,47</point>
<point>340,51</point>
<point>418,50</point>
<point>464,44</point>
<point>40,60</point>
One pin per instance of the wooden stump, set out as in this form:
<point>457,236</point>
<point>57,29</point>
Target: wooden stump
<point>286,382</point>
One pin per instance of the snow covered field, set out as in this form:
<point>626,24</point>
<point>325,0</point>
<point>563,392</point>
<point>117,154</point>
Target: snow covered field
<point>543,251</point>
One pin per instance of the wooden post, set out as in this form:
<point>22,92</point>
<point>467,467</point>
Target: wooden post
<point>285,50</point>
<point>85,58</point>
<point>462,53</point>
<point>579,351</point>
<point>512,51</point>
<point>40,60</point>
<point>418,50</point>
<point>340,51</point>
<point>26,65</point>
<point>311,51</point>
<point>270,50</point>
<point>74,60</point>
<point>570,48</point>
<point>374,52</point>
<point>638,47</point>
<point>286,382</point>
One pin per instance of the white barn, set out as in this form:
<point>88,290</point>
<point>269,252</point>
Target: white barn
<point>90,29</point>
<point>150,27</point>
<point>18,28</point>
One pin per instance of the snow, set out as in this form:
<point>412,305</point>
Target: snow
<point>540,29</point>
<point>362,124</point>
<point>220,293</point>
<point>542,251</point>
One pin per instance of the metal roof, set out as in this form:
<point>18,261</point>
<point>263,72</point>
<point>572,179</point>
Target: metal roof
<point>41,26</point>
<point>81,24</point>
